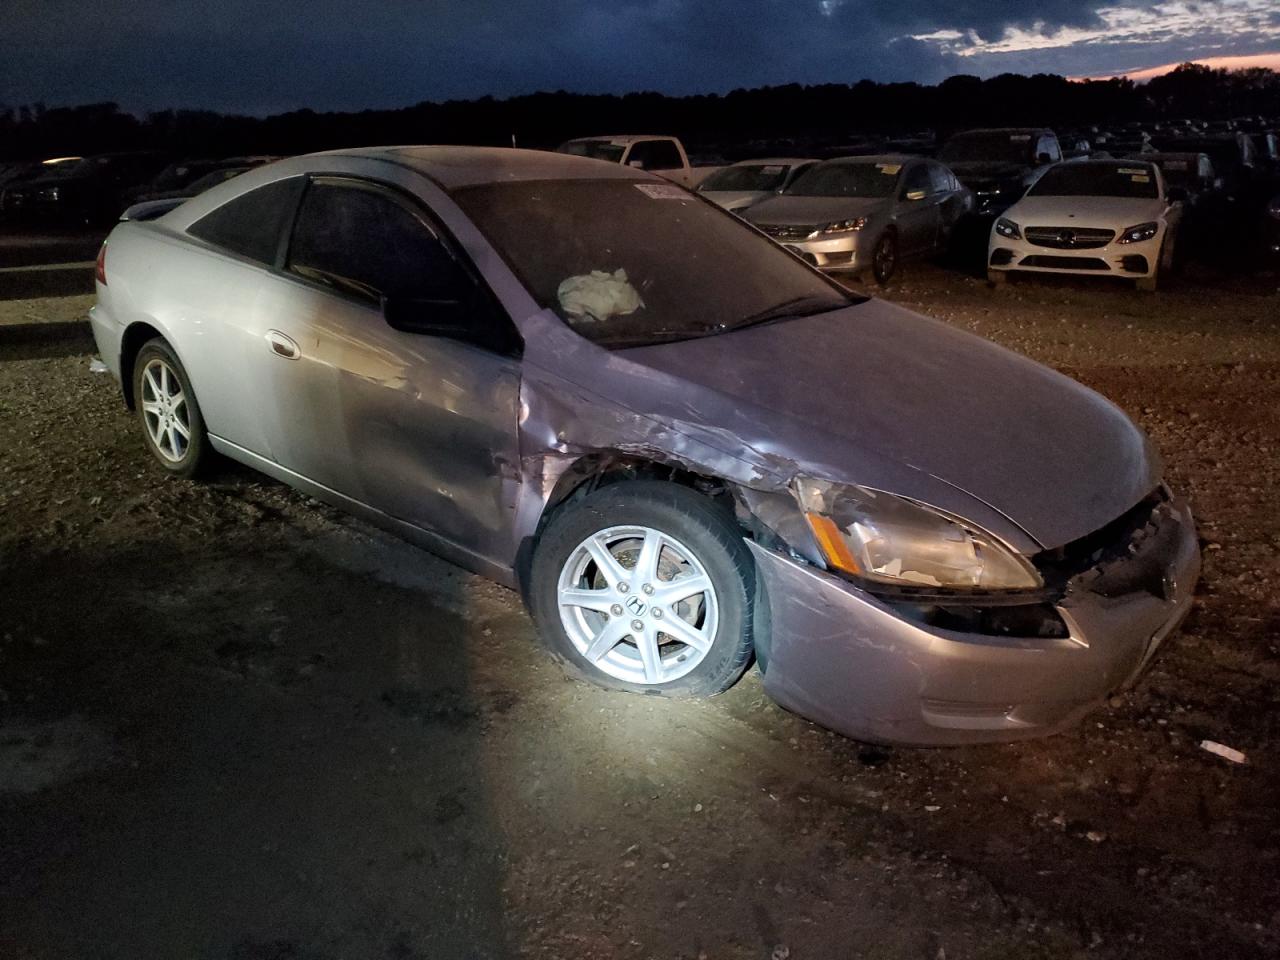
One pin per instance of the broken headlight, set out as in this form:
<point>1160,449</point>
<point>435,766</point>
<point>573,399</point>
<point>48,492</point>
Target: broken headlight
<point>887,539</point>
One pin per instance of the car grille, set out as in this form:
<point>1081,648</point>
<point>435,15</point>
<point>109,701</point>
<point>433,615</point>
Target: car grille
<point>1064,263</point>
<point>787,231</point>
<point>1069,238</point>
<point>1128,555</point>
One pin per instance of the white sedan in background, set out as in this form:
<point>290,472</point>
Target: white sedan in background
<point>747,182</point>
<point>1100,217</point>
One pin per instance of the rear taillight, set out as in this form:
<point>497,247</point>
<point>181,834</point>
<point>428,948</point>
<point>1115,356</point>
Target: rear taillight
<point>100,268</point>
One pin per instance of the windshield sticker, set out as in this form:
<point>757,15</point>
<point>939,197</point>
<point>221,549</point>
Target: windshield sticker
<point>1019,137</point>
<point>1140,178</point>
<point>1132,170</point>
<point>661,191</point>
<point>889,169</point>
<point>1175,164</point>
<point>772,171</point>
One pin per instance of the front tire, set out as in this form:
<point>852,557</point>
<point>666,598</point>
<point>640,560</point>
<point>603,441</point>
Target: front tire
<point>648,587</point>
<point>884,258</point>
<point>167,409</point>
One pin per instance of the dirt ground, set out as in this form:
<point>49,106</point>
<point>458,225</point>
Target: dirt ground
<point>236,724</point>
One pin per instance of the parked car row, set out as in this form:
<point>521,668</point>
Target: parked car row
<point>66,191</point>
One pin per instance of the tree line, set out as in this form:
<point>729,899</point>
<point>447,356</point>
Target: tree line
<point>738,119</point>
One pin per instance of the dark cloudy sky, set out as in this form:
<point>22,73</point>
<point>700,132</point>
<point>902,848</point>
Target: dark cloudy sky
<point>262,56</point>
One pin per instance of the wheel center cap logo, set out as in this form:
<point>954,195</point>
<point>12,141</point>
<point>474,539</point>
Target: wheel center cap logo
<point>635,605</point>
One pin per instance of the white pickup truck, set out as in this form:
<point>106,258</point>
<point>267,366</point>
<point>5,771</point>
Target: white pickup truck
<point>664,156</point>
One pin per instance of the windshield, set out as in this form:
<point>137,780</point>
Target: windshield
<point>993,146</point>
<point>595,149</point>
<point>753,178</point>
<point>1097,180</point>
<point>845,179</point>
<point>627,263</point>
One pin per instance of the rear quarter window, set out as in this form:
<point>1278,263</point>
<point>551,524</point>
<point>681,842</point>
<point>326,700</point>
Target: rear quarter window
<point>250,225</point>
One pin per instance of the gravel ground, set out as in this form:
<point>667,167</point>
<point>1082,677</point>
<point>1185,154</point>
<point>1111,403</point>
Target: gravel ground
<point>235,724</point>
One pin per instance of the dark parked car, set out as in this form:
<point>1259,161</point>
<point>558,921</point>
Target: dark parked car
<point>189,177</point>
<point>999,164</point>
<point>91,190</point>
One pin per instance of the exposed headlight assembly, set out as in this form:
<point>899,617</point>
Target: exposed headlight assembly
<point>1007,228</point>
<point>1143,231</point>
<point>886,539</point>
<point>843,226</point>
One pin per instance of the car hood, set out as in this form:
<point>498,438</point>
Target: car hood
<point>857,386</point>
<point>737,199</point>
<point>1113,213</point>
<point>814,210</point>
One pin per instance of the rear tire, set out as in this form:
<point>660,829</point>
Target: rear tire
<point>615,570</point>
<point>172,425</point>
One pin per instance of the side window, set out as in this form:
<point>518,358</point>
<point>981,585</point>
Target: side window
<point>364,242</point>
<point>917,178</point>
<point>1049,145</point>
<point>655,155</point>
<point>250,224</point>
<point>940,176</point>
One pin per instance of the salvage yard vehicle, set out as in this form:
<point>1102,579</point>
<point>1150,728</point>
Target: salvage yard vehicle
<point>86,191</point>
<point>999,164</point>
<point>1094,218</point>
<point>682,461</point>
<point>747,182</point>
<point>665,156</point>
<point>856,214</point>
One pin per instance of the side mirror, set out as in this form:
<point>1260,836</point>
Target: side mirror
<point>1178,195</point>
<point>1043,158</point>
<point>914,195</point>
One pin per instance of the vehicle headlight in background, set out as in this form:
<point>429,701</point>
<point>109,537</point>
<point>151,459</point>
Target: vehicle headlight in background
<point>1143,231</point>
<point>50,193</point>
<point>843,226</point>
<point>887,539</point>
<point>1007,228</point>
<point>1273,208</point>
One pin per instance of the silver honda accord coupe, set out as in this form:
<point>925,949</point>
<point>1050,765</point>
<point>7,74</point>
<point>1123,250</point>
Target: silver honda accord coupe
<point>688,449</point>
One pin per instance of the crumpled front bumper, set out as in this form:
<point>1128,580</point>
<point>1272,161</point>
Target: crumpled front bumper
<point>844,659</point>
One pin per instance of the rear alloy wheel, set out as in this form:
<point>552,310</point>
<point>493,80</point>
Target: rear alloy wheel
<point>884,258</point>
<point>646,586</point>
<point>167,408</point>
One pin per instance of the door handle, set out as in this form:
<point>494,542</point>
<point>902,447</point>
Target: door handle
<point>283,346</point>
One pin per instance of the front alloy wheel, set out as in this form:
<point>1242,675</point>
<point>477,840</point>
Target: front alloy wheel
<point>884,258</point>
<point>638,605</point>
<point>646,586</point>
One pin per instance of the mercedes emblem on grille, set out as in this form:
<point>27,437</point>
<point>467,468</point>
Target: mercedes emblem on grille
<point>1066,237</point>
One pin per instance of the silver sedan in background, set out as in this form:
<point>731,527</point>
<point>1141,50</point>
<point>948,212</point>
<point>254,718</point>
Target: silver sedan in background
<point>747,182</point>
<point>860,214</point>
<point>687,448</point>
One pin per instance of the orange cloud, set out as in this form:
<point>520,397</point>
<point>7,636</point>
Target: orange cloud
<point>1271,61</point>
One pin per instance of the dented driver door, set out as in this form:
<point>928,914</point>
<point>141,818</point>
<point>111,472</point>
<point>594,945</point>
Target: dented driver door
<point>421,427</point>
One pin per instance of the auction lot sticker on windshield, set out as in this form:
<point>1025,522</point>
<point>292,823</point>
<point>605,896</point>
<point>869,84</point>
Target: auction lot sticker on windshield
<point>1132,171</point>
<point>1175,164</point>
<point>889,169</point>
<point>770,171</point>
<point>662,191</point>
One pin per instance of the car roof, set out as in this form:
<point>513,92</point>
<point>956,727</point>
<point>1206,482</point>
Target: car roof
<point>454,167</point>
<point>878,158</point>
<point>1010,130</point>
<point>769,161</point>
<point>622,138</point>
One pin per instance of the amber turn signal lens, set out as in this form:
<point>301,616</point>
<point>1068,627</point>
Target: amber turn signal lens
<point>832,542</point>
